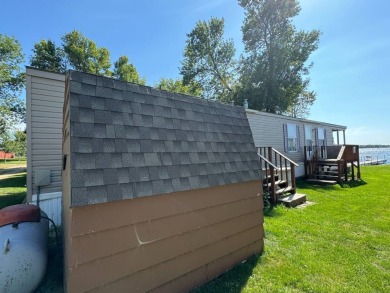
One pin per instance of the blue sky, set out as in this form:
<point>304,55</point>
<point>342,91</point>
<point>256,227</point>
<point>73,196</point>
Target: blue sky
<point>351,67</point>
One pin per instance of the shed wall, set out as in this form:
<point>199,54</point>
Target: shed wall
<point>45,98</point>
<point>170,242</point>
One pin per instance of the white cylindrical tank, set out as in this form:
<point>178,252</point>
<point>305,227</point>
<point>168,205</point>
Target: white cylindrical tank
<point>23,254</point>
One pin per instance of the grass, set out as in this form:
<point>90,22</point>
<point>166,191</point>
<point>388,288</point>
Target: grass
<point>11,163</point>
<point>339,244</point>
<point>12,190</point>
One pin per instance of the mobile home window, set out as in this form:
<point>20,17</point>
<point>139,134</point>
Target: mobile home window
<point>321,133</point>
<point>291,137</point>
<point>321,136</point>
<point>308,140</point>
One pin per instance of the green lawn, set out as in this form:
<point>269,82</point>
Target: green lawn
<point>10,163</point>
<point>12,190</point>
<point>339,244</point>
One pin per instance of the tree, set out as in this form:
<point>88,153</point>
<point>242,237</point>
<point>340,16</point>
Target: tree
<point>209,60</point>
<point>48,56</point>
<point>177,86</point>
<point>301,107</point>
<point>274,67</point>
<point>126,71</point>
<point>84,55</point>
<point>12,80</point>
<point>17,145</point>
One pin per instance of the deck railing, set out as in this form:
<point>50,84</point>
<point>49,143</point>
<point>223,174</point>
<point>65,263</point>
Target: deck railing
<point>269,171</point>
<point>344,157</point>
<point>275,164</point>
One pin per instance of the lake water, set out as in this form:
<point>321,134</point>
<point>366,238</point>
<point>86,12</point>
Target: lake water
<point>375,153</point>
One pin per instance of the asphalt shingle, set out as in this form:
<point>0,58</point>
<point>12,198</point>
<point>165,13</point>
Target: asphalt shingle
<point>129,141</point>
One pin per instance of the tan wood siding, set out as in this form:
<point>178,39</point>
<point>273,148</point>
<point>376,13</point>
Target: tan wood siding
<point>45,96</point>
<point>66,213</point>
<point>212,270</point>
<point>155,242</point>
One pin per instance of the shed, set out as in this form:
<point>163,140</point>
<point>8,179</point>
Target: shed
<point>161,191</point>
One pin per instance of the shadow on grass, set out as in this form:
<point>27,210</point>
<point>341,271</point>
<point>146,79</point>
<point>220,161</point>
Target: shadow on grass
<point>10,190</point>
<point>232,281</point>
<point>307,185</point>
<point>18,180</point>
<point>11,199</point>
<point>350,184</point>
<point>353,183</point>
<point>272,212</point>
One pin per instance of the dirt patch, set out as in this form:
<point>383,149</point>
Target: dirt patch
<point>305,204</point>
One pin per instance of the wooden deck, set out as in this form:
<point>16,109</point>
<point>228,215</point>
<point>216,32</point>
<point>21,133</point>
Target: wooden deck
<point>333,164</point>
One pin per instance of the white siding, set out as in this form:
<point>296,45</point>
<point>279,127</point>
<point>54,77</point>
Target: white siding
<point>45,98</point>
<point>267,130</point>
<point>50,203</point>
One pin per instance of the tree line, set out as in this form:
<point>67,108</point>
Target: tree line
<point>272,72</point>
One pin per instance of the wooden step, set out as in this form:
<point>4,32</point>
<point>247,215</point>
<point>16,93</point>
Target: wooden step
<point>327,164</point>
<point>327,177</point>
<point>269,177</point>
<point>293,200</point>
<point>277,183</point>
<point>287,189</point>
<point>321,181</point>
<point>327,172</point>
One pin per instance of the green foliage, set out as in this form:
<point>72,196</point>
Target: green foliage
<point>274,67</point>
<point>209,60</point>
<point>177,86</point>
<point>18,145</point>
<point>11,58</point>
<point>47,56</point>
<point>126,71</point>
<point>12,80</point>
<point>84,55</point>
<point>301,107</point>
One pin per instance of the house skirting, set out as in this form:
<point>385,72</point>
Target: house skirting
<point>50,203</point>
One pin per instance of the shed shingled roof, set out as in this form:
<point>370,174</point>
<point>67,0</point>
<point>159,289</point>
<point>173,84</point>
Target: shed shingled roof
<point>129,141</point>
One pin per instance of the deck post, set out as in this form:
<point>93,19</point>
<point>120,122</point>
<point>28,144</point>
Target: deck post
<point>344,137</point>
<point>339,171</point>
<point>285,168</point>
<point>305,162</point>
<point>345,170</point>
<point>358,162</point>
<point>293,183</point>
<point>270,155</point>
<point>273,191</point>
